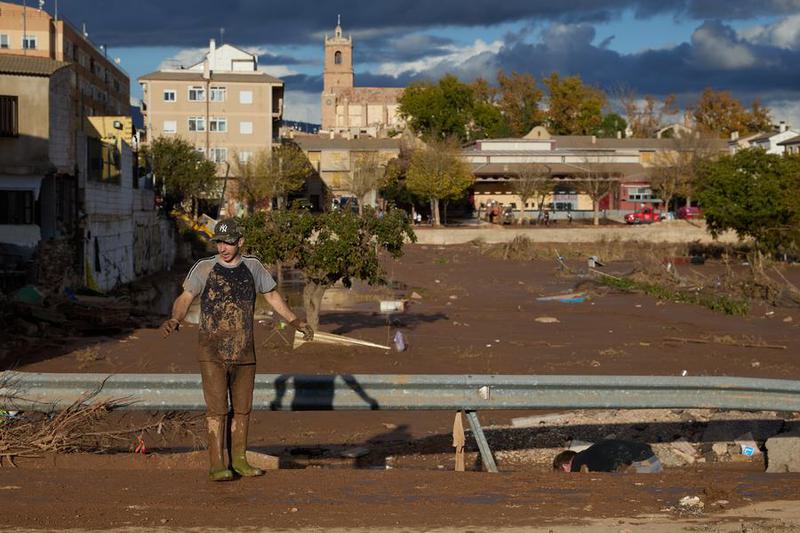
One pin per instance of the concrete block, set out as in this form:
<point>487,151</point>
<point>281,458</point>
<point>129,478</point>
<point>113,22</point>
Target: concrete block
<point>262,460</point>
<point>783,452</point>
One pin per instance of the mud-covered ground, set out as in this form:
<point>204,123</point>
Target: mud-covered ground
<point>465,313</point>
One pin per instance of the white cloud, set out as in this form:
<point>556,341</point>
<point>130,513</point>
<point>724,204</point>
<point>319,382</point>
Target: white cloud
<point>279,71</point>
<point>184,58</point>
<point>784,33</point>
<point>454,55</point>
<point>302,106</point>
<point>786,110</point>
<point>717,47</point>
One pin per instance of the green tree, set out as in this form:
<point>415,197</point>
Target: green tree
<point>573,107</point>
<point>181,171</point>
<point>438,110</point>
<point>519,102</point>
<point>437,173</point>
<point>754,194</point>
<point>719,113</point>
<point>272,173</point>
<point>611,125</point>
<point>329,247</point>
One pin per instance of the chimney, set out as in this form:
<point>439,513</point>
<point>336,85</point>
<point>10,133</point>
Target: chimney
<point>212,55</point>
<point>734,135</point>
<point>782,127</point>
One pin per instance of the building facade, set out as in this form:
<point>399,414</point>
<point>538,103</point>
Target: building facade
<point>334,161</point>
<point>626,163</point>
<point>101,86</point>
<point>354,111</point>
<point>222,105</point>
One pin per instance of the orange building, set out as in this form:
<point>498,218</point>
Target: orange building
<point>101,86</point>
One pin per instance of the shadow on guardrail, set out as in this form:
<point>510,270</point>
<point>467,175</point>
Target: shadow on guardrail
<point>315,393</point>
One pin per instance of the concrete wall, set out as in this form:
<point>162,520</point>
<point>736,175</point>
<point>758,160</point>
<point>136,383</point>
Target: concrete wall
<point>678,231</point>
<point>27,153</point>
<point>123,236</point>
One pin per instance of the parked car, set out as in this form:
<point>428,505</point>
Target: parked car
<point>646,215</point>
<point>689,213</point>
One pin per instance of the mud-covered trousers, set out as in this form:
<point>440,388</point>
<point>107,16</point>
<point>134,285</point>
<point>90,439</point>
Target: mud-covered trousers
<point>221,377</point>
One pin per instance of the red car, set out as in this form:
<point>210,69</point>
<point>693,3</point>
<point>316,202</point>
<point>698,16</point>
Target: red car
<point>646,215</point>
<point>689,213</point>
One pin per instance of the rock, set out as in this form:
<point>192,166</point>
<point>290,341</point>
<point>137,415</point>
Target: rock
<point>783,452</point>
<point>547,320</point>
<point>262,460</point>
<point>691,502</point>
<point>682,448</point>
<point>416,296</point>
<point>720,449</point>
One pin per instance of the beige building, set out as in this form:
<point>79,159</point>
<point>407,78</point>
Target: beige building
<point>354,111</point>
<point>335,159</point>
<point>101,86</point>
<point>223,105</point>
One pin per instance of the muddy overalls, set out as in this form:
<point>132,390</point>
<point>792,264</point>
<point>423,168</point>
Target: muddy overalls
<point>227,352</point>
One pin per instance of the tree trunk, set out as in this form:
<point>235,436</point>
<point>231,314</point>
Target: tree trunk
<point>279,272</point>
<point>595,213</point>
<point>435,211</point>
<point>312,301</point>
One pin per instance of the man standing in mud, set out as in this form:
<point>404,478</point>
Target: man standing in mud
<point>227,284</point>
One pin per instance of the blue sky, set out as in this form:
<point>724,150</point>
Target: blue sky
<point>651,46</point>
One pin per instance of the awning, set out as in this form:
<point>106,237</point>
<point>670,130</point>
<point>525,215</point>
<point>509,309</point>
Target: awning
<point>11,182</point>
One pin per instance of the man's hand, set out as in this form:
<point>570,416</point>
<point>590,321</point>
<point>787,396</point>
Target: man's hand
<point>169,326</point>
<point>303,327</point>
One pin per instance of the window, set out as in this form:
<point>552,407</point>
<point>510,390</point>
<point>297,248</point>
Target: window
<point>3,40</point>
<point>197,94</point>
<point>219,124</point>
<point>170,126</point>
<point>337,58</point>
<point>217,94</point>
<point>245,128</point>
<point>16,207</point>
<point>244,157</point>
<point>197,123</point>
<point>640,193</point>
<point>9,116</point>
<point>29,42</point>
<point>245,97</point>
<point>169,95</point>
<point>218,155</point>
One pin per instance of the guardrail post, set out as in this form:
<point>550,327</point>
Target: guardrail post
<point>459,441</point>
<point>486,453</point>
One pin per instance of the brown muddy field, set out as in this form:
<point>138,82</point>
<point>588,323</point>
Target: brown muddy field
<point>474,315</point>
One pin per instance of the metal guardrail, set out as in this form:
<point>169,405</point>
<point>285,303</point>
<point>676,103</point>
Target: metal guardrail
<point>469,393</point>
<point>297,392</point>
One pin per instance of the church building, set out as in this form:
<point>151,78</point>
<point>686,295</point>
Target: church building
<point>354,111</point>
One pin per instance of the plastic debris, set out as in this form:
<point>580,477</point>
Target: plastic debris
<point>399,341</point>
<point>28,295</point>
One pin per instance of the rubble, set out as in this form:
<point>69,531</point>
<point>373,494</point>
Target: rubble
<point>783,452</point>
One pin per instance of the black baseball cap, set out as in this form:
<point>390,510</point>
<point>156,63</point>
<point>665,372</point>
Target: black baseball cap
<point>227,230</point>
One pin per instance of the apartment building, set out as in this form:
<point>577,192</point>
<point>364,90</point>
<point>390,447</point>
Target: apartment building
<point>101,86</point>
<point>223,105</point>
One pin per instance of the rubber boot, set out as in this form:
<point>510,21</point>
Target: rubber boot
<point>216,449</point>
<point>239,462</point>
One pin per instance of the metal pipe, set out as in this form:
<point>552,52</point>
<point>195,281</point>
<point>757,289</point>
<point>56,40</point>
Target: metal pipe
<point>297,392</point>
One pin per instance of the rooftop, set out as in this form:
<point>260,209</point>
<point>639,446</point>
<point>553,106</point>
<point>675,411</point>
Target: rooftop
<point>315,142</point>
<point>29,66</point>
<point>191,75</point>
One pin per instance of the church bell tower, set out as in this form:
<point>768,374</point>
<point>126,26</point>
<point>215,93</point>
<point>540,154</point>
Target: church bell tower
<point>338,71</point>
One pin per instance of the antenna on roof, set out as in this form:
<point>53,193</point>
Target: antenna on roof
<point>41,5</point>
<point>221,36</point>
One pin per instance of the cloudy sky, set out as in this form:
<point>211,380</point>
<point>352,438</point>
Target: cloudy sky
<point>749,47</point>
